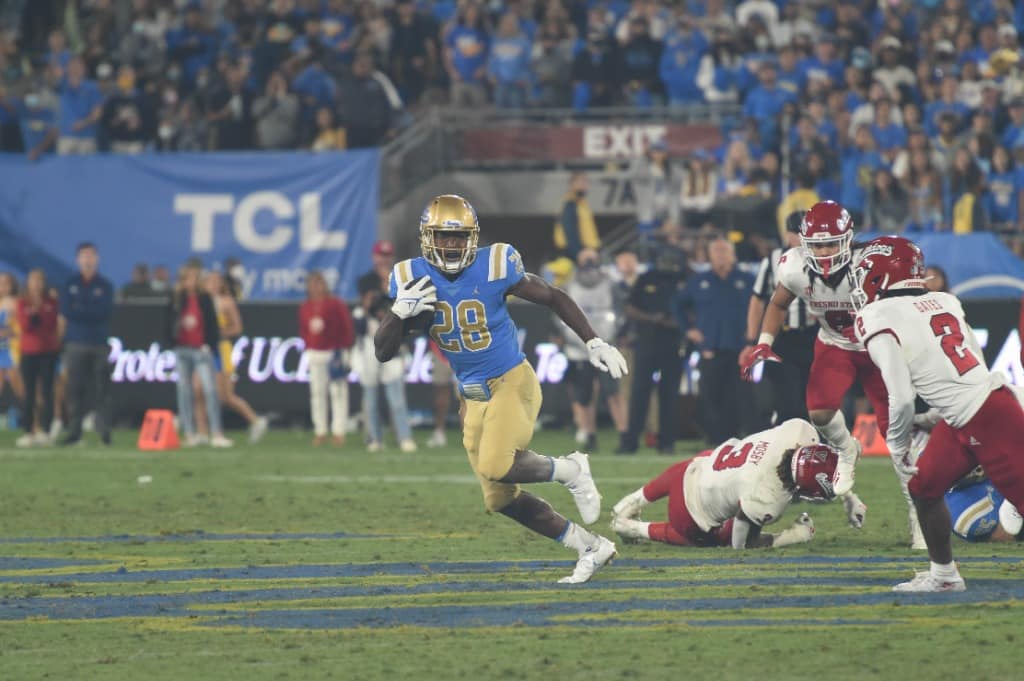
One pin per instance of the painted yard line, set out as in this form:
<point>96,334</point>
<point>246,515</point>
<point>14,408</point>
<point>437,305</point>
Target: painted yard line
<point>547,609</point>
<point>122,574</point>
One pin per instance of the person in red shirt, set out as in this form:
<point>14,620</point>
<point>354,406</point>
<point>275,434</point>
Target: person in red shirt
<point>326,328</point>
<point>194,333</point>
<point>37,314</point>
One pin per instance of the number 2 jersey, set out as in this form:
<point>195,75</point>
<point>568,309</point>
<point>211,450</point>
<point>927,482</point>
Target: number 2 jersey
<point>471,321</point>
<point>947,368</point>
<point>743,475</point>
<point>830,306</point>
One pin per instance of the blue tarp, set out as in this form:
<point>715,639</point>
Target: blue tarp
<point>978,266</point>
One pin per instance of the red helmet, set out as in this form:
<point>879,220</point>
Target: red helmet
<point>813,469</point>
<point>888,263</point>
<point>827,224</point>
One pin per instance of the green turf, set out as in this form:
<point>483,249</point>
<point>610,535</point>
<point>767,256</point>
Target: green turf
<point>174,600</point>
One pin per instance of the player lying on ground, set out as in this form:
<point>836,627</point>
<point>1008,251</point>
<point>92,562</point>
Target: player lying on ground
<point>460,290</point>
<point>980,513</point>
<point>819,273</point>
<point>921,342</point>
<point>724,496</point>
<point>977,510</point>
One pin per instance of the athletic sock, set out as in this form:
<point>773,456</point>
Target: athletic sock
<point>946,572</point>
<point>577,538</point>
<point>835,431</point>
<point>563,470</point>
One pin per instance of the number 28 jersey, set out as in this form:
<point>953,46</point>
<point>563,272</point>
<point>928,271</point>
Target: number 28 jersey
<point>831,307</point>
<point>471,321</point>
<point>946,365</point>
<point>743,475</point>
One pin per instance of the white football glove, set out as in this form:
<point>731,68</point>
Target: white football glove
<point>904,465</point>
<point>418,296</point>
<point>607,358</point>
<point>856,510</point>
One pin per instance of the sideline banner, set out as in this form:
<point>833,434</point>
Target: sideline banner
<point>273,377</point>
<point>282,214</point>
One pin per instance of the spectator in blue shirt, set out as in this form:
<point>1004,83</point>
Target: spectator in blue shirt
<point>824,65</point>
<point>81,105</point>
<point>58,55</point>
<point>712,306</point>
<point>790,78</point>
<point>191,45</point>
<point>36,117</point>
<point>765,102</point>
<point>948,102</point>
<point>509,64</point>
<point>858,164</point>
<point>889,136</point>
<point>316,89</point>
<point>87,303</point>
<point>1003,189</point>
<point>1014,129</point>
<point>465,55</point>
<point>680,62</point>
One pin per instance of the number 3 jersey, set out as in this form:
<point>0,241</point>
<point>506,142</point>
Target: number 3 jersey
<point>743,475</point>
<point>830,306</point>
<point>471,321</point>
<point>946,364</point>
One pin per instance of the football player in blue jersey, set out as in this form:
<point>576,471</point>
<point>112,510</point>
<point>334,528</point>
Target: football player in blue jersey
<point>461,289</point>
<point>980,513</point>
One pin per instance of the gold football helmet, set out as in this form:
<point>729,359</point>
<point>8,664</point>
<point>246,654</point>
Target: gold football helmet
<point>448,214</point>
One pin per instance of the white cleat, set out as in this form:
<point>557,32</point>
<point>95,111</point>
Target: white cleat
<point>221,442</point>
<point>437,439</point>
<point>917,542</point>
<point>924,582</point>
<point>373,446</point>
<point>595,557</point>
<point>583,489</point>
<point>26,440</point>
<point>845,475</point>
<point>629,530</point>
<point>630,505</point>
<point>856,510</point>
<point>407,446</point>
<point>258,429</point>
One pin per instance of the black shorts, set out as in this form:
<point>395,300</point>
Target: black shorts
<point>581,375</point>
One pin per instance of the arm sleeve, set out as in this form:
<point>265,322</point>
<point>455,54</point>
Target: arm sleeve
<point>884,350</point>
<point>740,532</point>
<point>513,264</point>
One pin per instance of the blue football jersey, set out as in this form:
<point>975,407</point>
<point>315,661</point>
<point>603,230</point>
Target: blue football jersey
<point>974,510</point>
<point>471,321</point>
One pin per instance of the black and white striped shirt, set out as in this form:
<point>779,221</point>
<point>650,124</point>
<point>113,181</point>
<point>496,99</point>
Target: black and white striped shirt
<point>764,287</point>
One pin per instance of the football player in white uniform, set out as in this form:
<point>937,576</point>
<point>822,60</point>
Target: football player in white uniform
<point>921,343</point>
<point>724,496</point>
<point>819,273</point>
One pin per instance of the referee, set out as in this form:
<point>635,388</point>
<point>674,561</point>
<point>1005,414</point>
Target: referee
<point>788,379</point>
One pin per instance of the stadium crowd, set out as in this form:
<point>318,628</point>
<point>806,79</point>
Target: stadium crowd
<point>911,113</point>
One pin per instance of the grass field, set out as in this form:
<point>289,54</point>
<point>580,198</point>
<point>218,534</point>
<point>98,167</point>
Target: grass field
<point>284,562</point>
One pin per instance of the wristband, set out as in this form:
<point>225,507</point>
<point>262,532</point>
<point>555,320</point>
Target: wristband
<point>766,339</point>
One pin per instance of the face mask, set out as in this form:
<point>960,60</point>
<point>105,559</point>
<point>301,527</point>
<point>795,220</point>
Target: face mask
<point>170,97</point>
<point>589,275</point>
<point>165,132</point>
<point>139,27</point>
<point>32,101</point>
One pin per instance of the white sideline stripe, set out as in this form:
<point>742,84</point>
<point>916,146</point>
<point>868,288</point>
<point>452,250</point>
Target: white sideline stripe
<point>394,479</point>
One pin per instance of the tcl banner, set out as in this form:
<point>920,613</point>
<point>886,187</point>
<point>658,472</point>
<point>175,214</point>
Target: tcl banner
<point>282,214</point>
<point>598,142</point>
